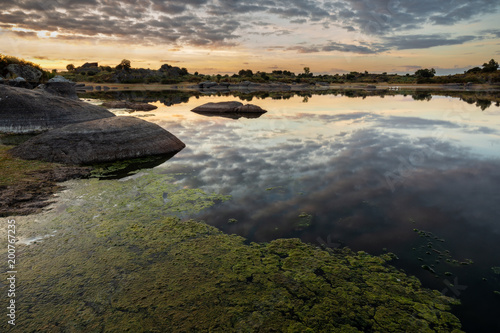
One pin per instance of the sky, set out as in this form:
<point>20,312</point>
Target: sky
<point>224,36</point>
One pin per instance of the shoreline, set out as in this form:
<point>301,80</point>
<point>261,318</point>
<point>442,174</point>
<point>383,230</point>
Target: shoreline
<point>189,86</point>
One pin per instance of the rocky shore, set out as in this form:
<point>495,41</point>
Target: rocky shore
<point>34,192</point>
<point>72,133</point>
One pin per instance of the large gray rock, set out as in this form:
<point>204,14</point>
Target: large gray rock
<point>228,107</point>
<point>207,84</point>
<point>103,140</point>
<point>30,111</point>
<point>60,86</point>
<point>59,78</point>
<point>29,73</point>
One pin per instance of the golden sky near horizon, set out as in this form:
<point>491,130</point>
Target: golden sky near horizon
<point>224,36</point>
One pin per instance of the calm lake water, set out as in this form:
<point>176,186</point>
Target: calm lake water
<point>362,173</point>
<point>417,178</point>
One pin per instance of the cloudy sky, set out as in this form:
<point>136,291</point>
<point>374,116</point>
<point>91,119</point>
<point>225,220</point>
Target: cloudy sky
<point>224,36</point>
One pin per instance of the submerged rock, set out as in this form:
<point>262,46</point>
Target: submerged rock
<point>102,140</point>
<point>129,105</point>
<point>30,111</point>
<point>228,108</point>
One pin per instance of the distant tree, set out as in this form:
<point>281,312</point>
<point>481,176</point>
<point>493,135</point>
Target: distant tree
<point>474,70</point>
<point>195,73</point>
<point>490,66</point>
<point>351,76</point>
<point>247,72</point>
<point>427,73</point>
<point>54,71</point>
<point>125,64</point>
<point>70,67</point>
<point>307,70</point>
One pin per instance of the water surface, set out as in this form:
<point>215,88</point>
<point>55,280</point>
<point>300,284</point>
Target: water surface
<point>417,178</point>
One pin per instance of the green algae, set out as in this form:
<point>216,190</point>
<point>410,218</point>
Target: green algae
<point>14,170</point>
<point>303,222</point>
<point>123,261</point>
<point>436,254</point>
<point>122,168</point>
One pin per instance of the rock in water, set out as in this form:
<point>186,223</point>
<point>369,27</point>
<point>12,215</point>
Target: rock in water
<point>228,107</point>
<point>102,140</point>
<point>249,108</point>
<point>31,111</point>
<point>137,106</point>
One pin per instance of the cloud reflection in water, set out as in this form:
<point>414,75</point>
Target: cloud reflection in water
<point>363,173</point>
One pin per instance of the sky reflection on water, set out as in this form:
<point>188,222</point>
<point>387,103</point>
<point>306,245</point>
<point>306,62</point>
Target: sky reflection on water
<point>362,173</point>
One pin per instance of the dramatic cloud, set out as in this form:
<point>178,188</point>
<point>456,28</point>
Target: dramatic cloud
<point>424,41</point>
<point>225,22</point>
<point>382,17</point>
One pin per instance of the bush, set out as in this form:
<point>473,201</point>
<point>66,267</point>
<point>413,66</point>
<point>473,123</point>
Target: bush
<point>6,60</point>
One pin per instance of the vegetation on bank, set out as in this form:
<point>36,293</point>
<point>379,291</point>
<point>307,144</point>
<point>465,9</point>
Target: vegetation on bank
<point>27,186</point>
<point>14,170</point>
<point>6,60</point>
<point>124,73</point>
<point>488,73</point>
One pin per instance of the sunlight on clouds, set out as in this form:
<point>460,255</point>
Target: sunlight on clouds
<point>47,34</point>
<point>212,36</point>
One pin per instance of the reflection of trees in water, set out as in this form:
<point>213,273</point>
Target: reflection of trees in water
<point>422,96</point>
<point>481,103</point>
<point>168,98</point>
<point>481,99</point>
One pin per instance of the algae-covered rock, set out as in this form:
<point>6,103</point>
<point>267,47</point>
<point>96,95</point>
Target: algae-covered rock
<point>121,261</point>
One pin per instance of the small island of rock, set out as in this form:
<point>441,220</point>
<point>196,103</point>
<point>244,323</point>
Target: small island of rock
<point>230,109</point>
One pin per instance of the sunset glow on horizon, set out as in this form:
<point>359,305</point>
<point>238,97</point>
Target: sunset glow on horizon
<point>224,36</point>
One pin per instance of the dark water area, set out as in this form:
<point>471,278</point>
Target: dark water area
<point>415,177</point>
